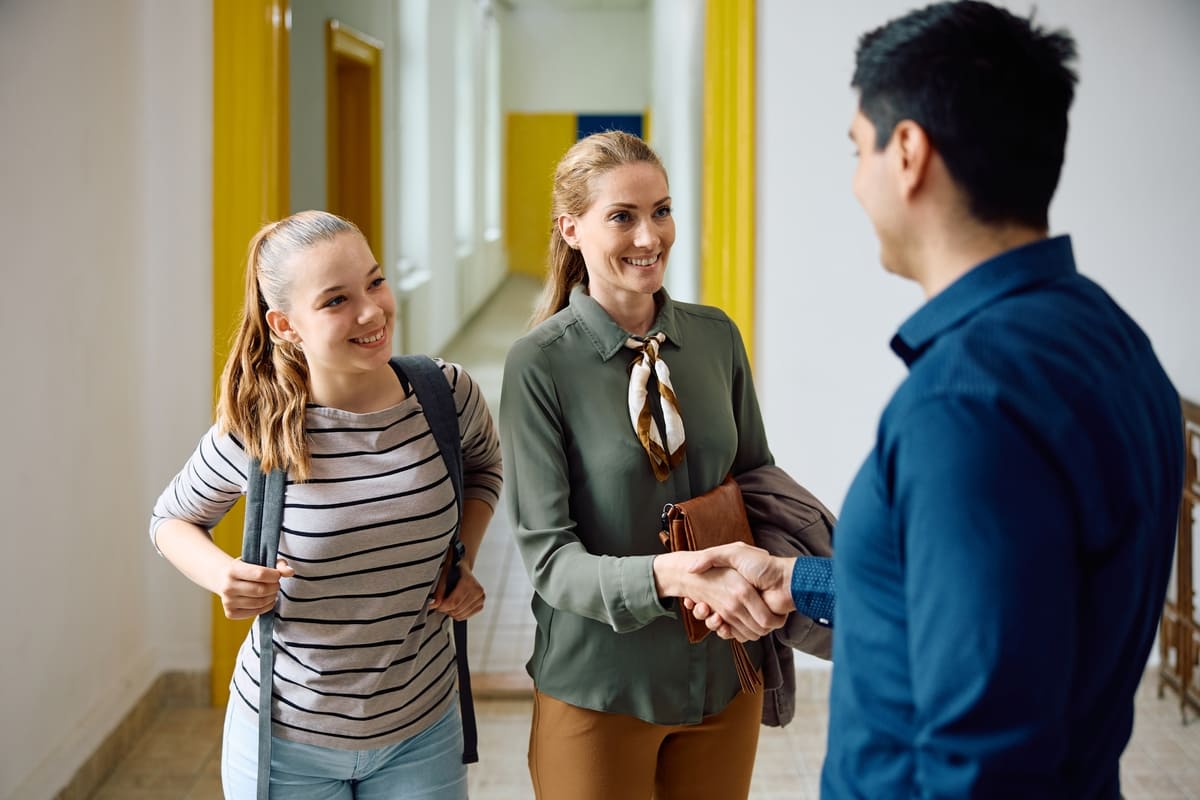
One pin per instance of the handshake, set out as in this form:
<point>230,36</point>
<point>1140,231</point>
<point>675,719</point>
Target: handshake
<point>741,592</point>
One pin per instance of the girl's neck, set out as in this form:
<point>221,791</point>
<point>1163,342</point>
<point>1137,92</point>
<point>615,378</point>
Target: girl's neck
<point>358,393</point>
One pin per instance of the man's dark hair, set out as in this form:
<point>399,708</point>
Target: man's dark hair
<point>990,89</point>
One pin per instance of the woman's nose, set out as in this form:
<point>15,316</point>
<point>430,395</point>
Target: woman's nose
<point>646,235</point>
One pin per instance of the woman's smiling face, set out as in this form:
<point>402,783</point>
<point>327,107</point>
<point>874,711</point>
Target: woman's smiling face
<point>625,236</point>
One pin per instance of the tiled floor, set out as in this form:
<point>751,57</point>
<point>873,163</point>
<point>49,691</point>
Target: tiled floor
<point>179,757</point>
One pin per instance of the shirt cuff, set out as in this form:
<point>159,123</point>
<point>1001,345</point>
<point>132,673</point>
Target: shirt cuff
<point>812,588</point>
<point>630,594</point>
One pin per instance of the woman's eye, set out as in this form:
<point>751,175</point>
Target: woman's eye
<point>335,301</point>
<point>375,284</point>
<point>619,217</point>
<point>664,211</point>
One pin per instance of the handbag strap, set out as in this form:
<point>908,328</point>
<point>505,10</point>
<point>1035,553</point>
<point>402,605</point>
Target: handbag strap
<point>437,402</point>
<point>260,545</point>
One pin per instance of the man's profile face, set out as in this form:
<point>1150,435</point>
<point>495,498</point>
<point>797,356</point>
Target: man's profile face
<point>874,186</point>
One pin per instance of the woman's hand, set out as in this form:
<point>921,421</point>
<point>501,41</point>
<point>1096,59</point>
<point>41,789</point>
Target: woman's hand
<point>722,590</point>
<point>248,590</point>
<point>467,598</point>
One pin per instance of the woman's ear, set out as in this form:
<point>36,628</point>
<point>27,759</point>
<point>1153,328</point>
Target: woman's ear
<point>281,326</point>
<point>567,227</point>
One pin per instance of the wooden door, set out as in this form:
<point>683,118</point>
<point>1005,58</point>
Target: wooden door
<point>353,118</point>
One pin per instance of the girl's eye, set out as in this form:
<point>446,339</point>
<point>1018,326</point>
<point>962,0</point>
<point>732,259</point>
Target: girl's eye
<point>335,301</point>
<point>375,284</point>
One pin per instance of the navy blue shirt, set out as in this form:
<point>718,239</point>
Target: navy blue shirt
<point>1003,553</point>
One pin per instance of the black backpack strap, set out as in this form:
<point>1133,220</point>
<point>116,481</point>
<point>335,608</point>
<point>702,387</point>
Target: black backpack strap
<point>437,401</point>
<point>260,545</point>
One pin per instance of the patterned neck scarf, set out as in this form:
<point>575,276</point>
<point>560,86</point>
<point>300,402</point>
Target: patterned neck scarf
<point>662,458</point>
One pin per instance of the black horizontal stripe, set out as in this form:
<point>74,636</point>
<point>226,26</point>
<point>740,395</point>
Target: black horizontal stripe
<point>366,717</point>
<point>366,596</point>
<point>385,474</point>
<point>365,737</point>
<point>356,453</point>
<point>354,696</point>
<point>366,429</point>
<point>436,630</point>
<point>359,553</point>
<point>369,717</point>
<point>383,524</point>
<point>239,481</point>
<point>406,614</point>
<point>416,562</point>
<point>383,498</point>
<point>195,473</point>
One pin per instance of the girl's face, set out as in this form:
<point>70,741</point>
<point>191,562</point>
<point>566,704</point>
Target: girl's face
<point>625,236</point>
<point>340,308</point>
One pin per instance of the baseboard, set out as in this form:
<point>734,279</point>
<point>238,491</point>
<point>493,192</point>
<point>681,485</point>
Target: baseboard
<point>169,690</point>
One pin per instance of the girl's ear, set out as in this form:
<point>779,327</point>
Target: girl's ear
<point>281,326</point>
<point>568,228</point>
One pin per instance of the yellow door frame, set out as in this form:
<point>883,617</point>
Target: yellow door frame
<point>250,188</point>
<point>727,201</point>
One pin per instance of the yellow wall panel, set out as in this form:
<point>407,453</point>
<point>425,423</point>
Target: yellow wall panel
<point>534,144</point>
<point>727,209</point>
<point>250,188</point>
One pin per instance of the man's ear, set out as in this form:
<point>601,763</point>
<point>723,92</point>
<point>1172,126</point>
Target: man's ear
<point>281,326</point>
<point>567,227</point>
<point>912,154</point>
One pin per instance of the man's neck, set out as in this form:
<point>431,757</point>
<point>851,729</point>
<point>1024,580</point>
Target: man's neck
<point>960,247</point>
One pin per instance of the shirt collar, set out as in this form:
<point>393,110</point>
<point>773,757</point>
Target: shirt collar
<point>607,336</point>
<point>1012,271</point>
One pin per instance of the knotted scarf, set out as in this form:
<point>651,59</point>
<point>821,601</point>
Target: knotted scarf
<point>662,458</point>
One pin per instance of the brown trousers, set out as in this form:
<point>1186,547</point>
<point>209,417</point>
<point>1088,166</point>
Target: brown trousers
<point>579,754</point>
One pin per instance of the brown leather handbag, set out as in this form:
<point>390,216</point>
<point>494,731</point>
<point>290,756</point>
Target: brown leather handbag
<point>715,517</point>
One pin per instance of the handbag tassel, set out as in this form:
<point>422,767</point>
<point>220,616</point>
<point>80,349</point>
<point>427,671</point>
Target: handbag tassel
<point>747,675</point>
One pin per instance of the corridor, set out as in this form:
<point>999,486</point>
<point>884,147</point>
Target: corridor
<point>179,755</point>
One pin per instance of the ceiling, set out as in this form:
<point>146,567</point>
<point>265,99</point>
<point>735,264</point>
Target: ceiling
<point>578,5</point>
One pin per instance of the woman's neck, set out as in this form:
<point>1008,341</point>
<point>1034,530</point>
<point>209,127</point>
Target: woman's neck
<point>634,313</point>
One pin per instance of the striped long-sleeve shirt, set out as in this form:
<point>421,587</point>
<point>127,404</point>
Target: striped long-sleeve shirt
<point>361,662</point>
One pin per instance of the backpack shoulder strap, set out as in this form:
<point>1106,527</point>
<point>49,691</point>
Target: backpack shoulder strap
<point>260,545</point>
<point>437,401</point>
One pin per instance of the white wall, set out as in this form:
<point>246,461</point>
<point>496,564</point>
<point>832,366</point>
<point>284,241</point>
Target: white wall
<point>588,61</point>
<point>826,308</point>
<point>105,119</point>
<point>677,128</point>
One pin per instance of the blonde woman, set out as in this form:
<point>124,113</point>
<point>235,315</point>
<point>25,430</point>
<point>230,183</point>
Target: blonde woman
<point>364,683</point>
<point>598,434</point>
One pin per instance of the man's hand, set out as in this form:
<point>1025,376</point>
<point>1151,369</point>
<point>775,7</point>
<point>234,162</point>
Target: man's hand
<point>770,575</point>
<point>741,608</point>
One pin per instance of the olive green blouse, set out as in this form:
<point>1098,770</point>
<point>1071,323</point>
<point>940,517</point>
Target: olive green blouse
<point>586,507</point>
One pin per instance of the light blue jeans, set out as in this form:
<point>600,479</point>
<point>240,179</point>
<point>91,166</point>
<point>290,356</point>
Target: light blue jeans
<point>427,766</point>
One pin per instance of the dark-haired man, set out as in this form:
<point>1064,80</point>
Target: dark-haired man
<point>1003,553</point>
